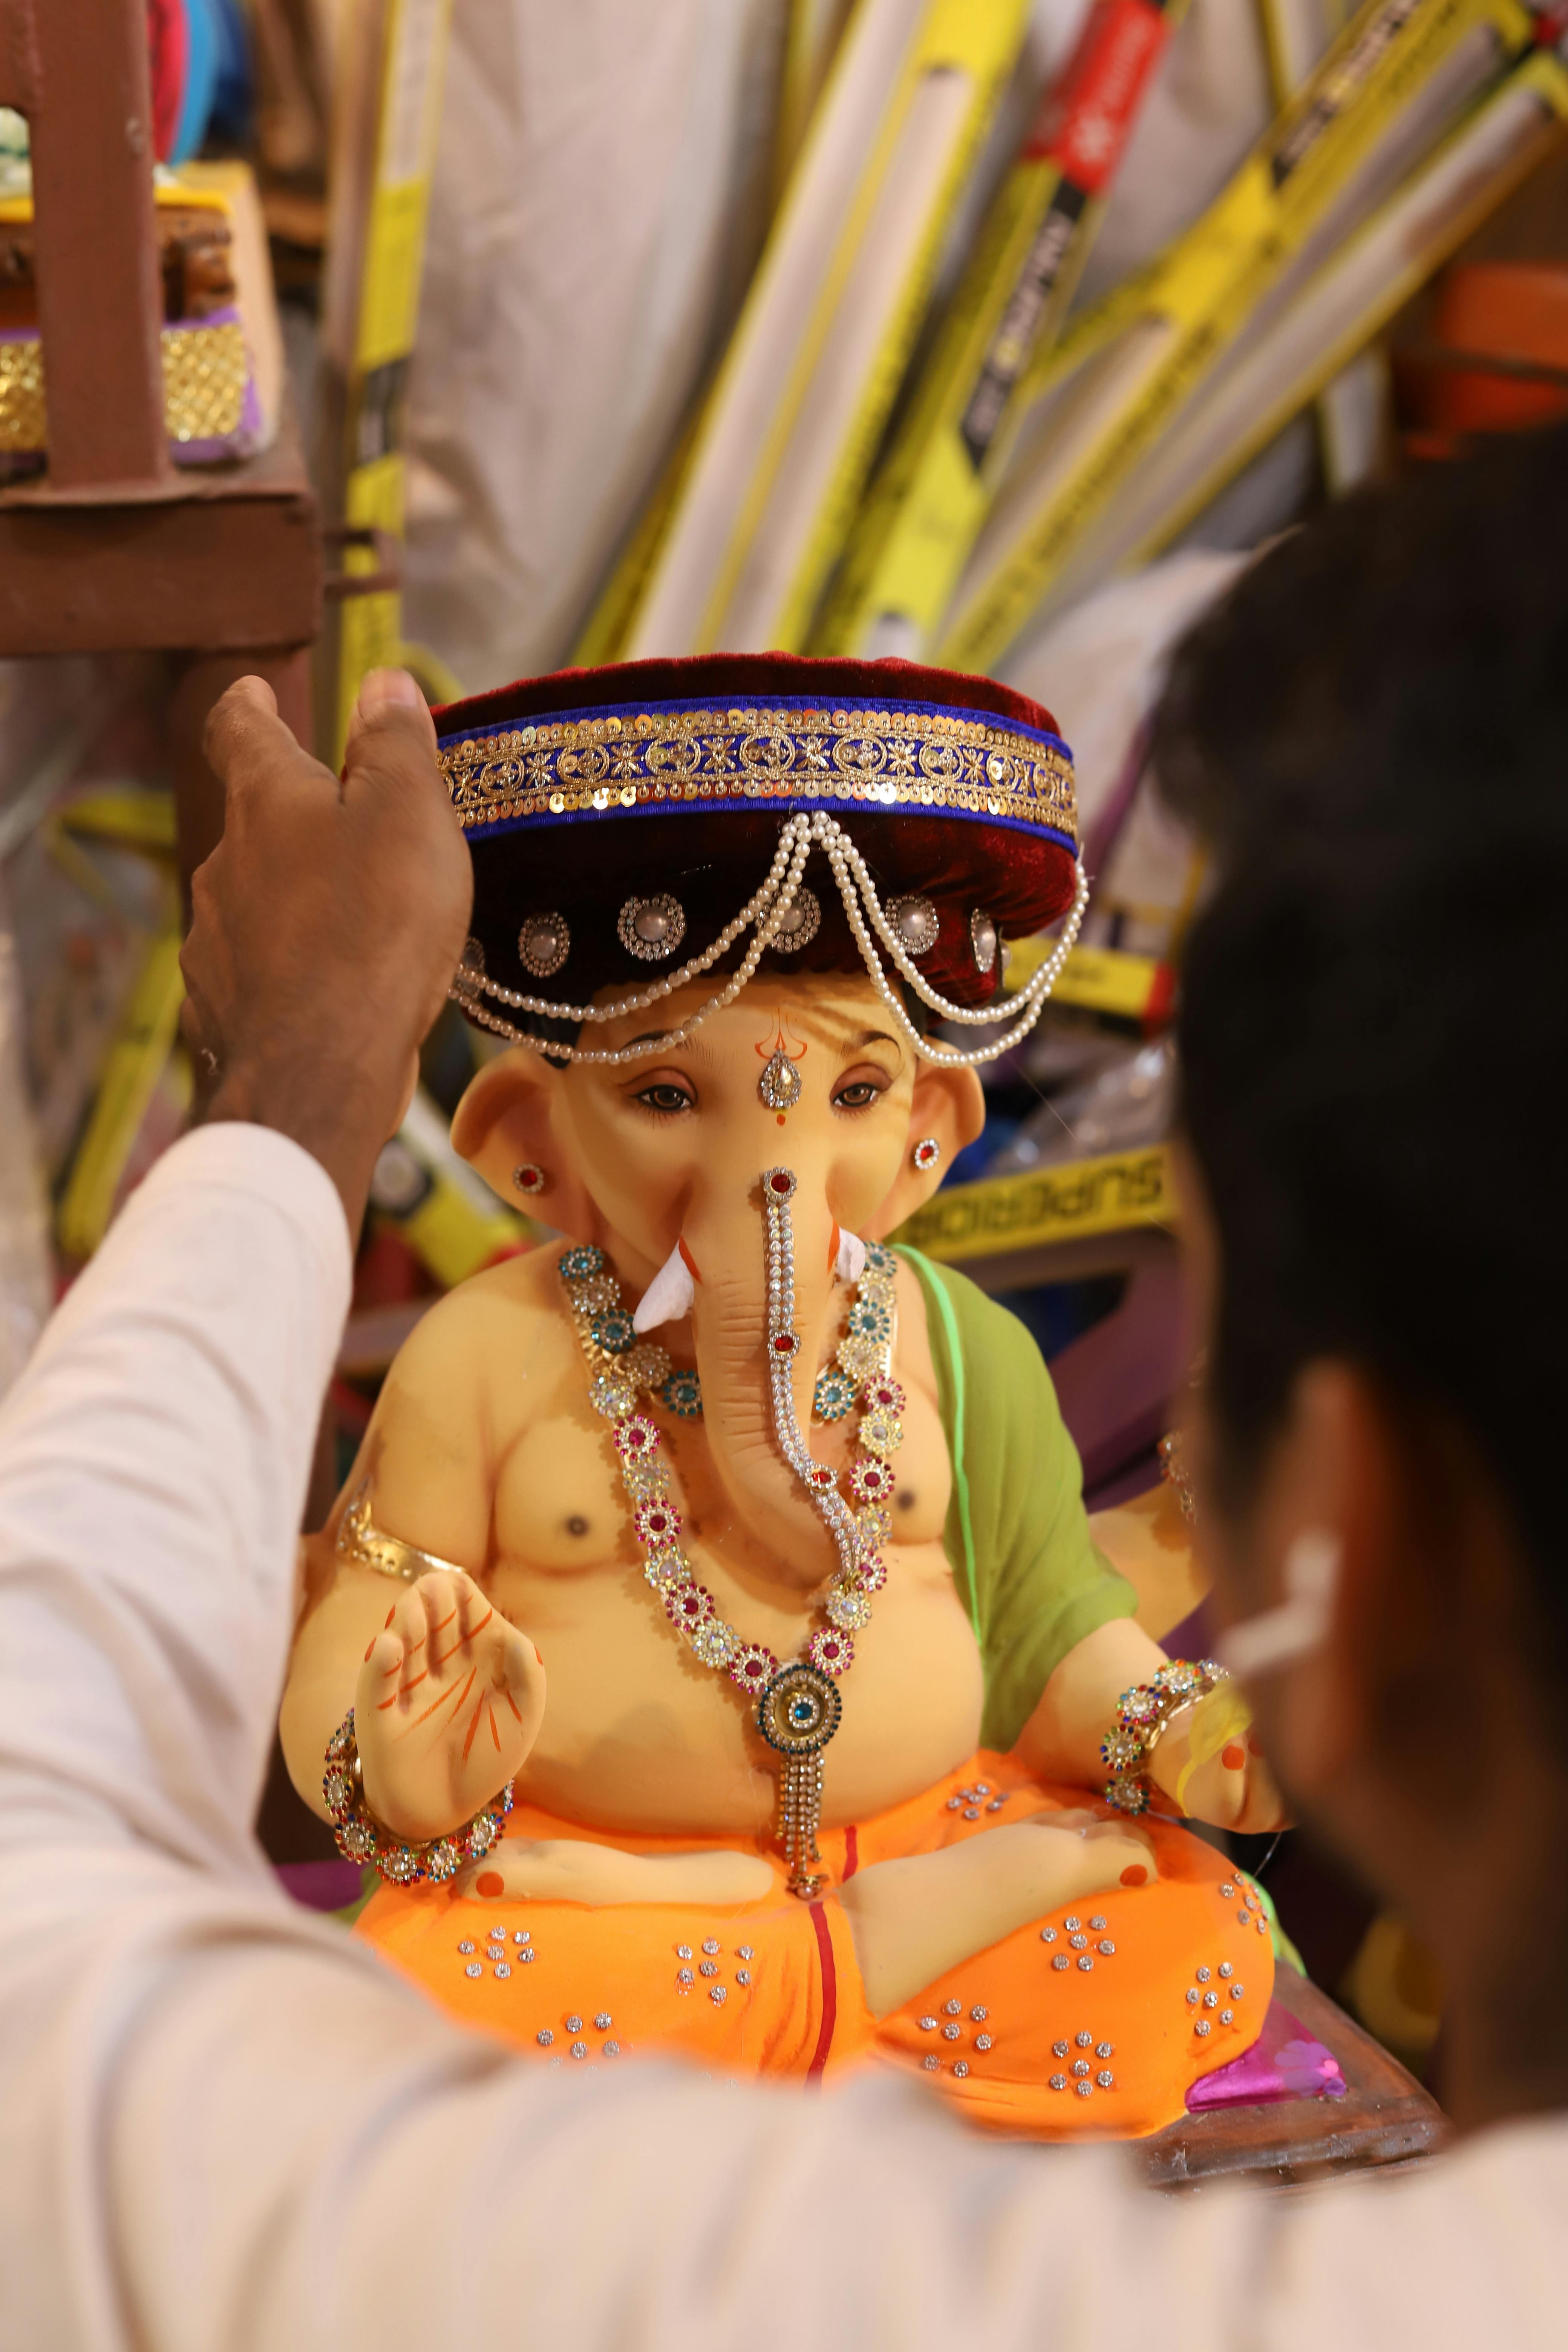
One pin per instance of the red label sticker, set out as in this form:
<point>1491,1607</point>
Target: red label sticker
<point>1084,121</point>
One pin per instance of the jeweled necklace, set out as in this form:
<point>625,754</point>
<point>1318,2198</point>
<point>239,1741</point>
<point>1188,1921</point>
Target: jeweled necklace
<point>797,1706</point>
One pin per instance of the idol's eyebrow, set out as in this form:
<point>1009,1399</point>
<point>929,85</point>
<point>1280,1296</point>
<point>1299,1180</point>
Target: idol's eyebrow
<point>875,1037</point>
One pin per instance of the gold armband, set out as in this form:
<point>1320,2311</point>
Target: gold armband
<point>361,1541</point>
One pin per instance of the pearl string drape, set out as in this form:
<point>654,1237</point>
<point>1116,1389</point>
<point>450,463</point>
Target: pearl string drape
<point>767,907</point>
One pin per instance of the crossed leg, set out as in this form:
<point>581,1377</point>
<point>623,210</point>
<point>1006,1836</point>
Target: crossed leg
<point>914,1919</point>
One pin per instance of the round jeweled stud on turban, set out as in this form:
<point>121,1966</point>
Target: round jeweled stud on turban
<point>639,827</point>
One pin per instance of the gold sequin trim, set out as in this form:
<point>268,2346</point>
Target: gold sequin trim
<point>22,425</point>
<point>891,759</point>
<point>206,370</point>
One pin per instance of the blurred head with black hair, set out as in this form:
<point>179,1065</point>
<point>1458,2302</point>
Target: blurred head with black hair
<point>1371,731</point>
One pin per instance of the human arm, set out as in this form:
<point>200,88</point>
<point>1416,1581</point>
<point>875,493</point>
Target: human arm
<point>325,927</point>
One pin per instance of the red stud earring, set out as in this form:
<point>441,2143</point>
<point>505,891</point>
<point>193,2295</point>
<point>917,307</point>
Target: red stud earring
<point>926,1153</point>
<point>529,1177</point>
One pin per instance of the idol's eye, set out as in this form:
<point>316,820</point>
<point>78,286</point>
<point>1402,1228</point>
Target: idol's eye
<point>665,1096</point>
<point>860,1089</point>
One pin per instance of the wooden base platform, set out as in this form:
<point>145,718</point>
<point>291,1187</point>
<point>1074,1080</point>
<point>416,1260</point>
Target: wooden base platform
<point>1385,2117</point>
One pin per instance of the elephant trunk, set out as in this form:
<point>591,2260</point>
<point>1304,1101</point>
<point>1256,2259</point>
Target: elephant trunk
<point>729,1327</point>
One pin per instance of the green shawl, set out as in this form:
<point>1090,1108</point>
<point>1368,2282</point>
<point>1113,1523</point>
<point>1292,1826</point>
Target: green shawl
<point>1016,1533</point>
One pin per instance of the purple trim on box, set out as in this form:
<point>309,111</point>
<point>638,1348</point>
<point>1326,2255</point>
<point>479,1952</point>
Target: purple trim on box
<point>243,442</point>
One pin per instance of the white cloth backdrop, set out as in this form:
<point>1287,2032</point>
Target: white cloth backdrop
<point>599,198</point>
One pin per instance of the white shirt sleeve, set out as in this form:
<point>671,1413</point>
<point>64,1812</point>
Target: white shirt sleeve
<point>227,2126</point>
<point>153,1461</point>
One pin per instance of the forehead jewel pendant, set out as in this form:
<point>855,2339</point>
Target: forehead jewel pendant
<point>779,1084</point>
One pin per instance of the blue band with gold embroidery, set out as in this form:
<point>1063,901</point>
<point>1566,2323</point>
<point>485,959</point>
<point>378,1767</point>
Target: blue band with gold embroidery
<point>790,753</point>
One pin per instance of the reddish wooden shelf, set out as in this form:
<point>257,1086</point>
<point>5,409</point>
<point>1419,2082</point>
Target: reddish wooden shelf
<point>214,559</point>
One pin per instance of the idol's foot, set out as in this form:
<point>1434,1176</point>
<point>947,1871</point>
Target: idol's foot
<point>914,1920</point>
<point>569,1870</point>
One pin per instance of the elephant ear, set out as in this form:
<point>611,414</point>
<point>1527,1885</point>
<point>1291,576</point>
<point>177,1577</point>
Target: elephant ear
<point>949,1105</point>
<point>504,1121</point>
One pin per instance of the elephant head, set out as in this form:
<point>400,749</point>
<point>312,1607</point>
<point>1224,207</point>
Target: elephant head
<point>664,1157</point>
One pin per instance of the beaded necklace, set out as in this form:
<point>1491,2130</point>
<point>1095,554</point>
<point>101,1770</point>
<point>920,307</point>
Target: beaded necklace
<point>797,1705</point>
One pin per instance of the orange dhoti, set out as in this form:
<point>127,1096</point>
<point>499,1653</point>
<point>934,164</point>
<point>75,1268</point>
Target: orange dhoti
<point>1092,2023</point>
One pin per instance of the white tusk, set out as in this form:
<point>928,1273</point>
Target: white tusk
<point>1300,1623</point>
<point>668,1295</point>
<point>850,1263</point>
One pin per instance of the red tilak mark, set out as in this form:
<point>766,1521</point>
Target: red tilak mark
<point>851,1850</point>
<point>490,1882</point>
<point>445,1700</point>
<point>512,1704</point>
<point>422,1677</point>
<point>390,1615</point>
<point>473,1727</point>
<point>686,1260</point>
<point>1233,1758</point>
<point>367,1653</point>
<point>1134,1874</point>
<point>444,1622</point>
<point>829,1994</point>
<point>1254,1742</point>
<point>495,1734</point>
<point>779,1043</point>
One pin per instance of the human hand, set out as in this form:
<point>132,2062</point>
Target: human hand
<point>326,926</point>
<point>447,1706</point>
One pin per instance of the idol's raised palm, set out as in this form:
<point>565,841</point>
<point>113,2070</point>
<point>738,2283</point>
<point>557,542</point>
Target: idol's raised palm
<point>448,1706</point>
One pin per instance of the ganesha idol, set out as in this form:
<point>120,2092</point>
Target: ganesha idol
<point>710,1648</point>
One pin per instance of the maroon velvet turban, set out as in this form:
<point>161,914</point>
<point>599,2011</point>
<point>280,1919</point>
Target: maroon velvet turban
<point>592,788</point>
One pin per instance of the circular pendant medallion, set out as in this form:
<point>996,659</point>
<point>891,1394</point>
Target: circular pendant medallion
<point>799,1711</point>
